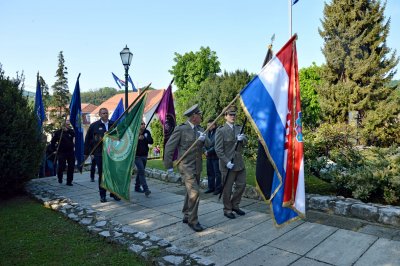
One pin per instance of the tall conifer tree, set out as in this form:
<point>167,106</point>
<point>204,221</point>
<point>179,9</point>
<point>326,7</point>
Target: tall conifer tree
<point>61,96</point>
<point>358,62</point>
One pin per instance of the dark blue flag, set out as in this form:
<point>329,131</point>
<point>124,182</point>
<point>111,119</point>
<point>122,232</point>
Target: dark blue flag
<point>119,110</point>
<point>75,118</point>
<point>294,2</point>
<point>39,108</point>
<point>133,86</point>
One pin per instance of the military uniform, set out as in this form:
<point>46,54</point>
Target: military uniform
<point>225,142</point>
<point>190,167</point>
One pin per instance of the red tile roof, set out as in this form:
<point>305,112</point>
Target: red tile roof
<point>153,98</point>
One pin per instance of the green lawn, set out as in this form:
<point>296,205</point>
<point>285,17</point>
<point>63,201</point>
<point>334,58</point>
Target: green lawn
<point>30,234</point>
<point>313,184</point>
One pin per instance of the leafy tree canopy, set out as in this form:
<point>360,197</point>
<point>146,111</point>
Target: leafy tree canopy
<point>189,71</point>
<point>310,80</point>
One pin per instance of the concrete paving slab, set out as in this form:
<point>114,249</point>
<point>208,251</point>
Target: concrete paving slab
<point>121,210</point>
<point>174,231</point>
<point>212,218</point>
<point>382,252</point>
<point>308,262</point>
<point>228,250</point>
<point>208,206</point>
<point>259,207</point>
<point>342,247</point>
<point>151,203</point>
<point>303,238</point>
<point>266,255</point>
<point>379,231</point>
<point>333,220</point>
<point>265,232</point>
<point>171,207</point>
<point>154,223</point>
<point>241,223</point>
<point>201,240</point>
<point>133,217</point>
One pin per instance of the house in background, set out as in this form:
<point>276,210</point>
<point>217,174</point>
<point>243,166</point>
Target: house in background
<point>87,109</point>
<point>153,98</point>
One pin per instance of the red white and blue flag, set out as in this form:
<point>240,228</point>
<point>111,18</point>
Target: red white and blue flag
<point>272,103</point>
<point>121,83</point>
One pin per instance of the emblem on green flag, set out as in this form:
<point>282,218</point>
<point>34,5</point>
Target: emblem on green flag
<point>119,149</point>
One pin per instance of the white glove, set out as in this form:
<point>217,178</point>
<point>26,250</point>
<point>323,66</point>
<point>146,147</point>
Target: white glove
<point>170,170</point>
<point>230,165</point>
<point>240,137</point>
<point>202,136</point>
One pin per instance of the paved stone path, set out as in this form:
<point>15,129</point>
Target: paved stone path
<point>248,240</point>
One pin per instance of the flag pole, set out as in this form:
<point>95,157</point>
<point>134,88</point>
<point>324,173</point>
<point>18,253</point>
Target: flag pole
<point>170,84</point>
<point>290,18</point>
<point>116,122</point>
<point>207,129</point>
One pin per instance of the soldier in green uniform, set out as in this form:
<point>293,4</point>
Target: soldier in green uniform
<point>190,167</point>
<point>225,142</point>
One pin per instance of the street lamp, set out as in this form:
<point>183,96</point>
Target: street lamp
<point>126,58</point>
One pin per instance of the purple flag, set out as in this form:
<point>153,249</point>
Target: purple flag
<point>166,114</point>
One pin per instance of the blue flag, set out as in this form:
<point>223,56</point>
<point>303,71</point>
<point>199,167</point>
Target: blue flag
<point>75,118</point>
<point>119,110</point>
<point>39,108</point>
<point>294,2</point>
<point>121,83</point>
<point>133,86</point>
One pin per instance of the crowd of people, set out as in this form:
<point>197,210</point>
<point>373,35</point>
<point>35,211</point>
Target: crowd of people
<point>222,147</point>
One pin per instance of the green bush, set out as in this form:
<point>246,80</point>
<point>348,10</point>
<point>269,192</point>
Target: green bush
<point>20,143</point>
<point>368,174</point>
<point>371,174</point>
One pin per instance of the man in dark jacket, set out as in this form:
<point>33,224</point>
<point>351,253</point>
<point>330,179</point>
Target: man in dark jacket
<point>63,145</point>
<point>94,137</point>
<point>142,152</point>
<point>213,172</point>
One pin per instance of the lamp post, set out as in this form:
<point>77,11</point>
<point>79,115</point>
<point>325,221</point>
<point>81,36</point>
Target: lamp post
<point>126,58</point>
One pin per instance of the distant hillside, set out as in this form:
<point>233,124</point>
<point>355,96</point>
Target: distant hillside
<point>395,83</point>
<point>29,94</point>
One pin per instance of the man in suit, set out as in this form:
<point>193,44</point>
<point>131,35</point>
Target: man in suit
<point>226,138</point>
<point>62,143</point>
<point>95,135</point>
<point>190,167</point>
<point>213,172</point>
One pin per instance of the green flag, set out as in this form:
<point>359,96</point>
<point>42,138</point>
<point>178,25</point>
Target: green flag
<point>119,149</point>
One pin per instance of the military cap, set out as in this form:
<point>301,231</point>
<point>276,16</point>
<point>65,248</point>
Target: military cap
<point>231,110</point>
<point>192,110</point>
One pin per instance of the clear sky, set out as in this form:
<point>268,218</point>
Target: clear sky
<point>91,35</point>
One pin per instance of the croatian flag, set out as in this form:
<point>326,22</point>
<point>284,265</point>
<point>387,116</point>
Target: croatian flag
<point>272,102</point>
<point>121,83</point>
